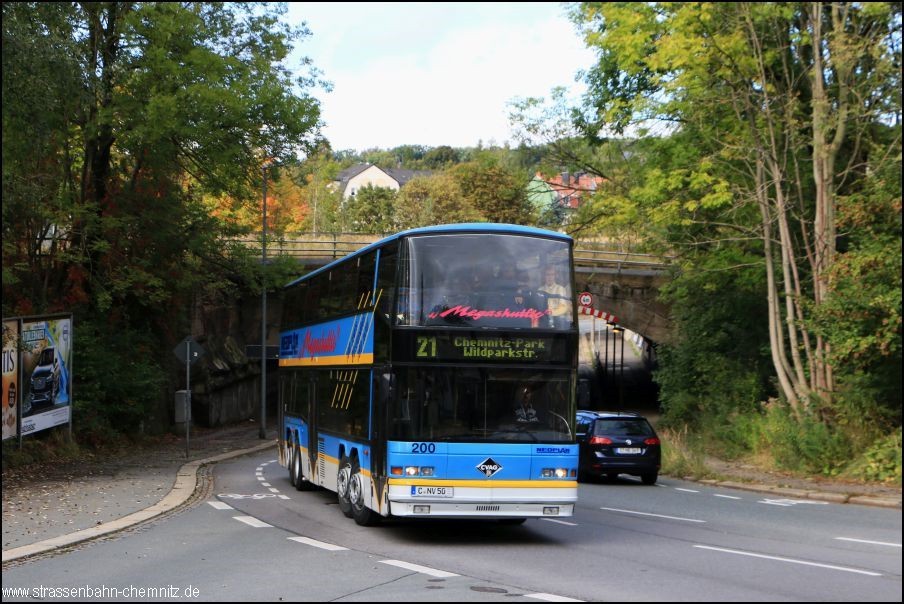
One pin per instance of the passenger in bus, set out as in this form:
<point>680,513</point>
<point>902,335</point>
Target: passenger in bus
<point>556,301</point>
<point>525,411</point>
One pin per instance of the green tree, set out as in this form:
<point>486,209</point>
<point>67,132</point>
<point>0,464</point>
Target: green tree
<point>429,200</point>
<point>121,121</point>
<point>370,210</point>
<point>499,194</point>
<point>754,84</point>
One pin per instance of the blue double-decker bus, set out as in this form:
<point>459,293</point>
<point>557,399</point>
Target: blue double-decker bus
<point>433,374</point>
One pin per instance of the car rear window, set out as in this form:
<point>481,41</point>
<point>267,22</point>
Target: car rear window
<point>622,427</point>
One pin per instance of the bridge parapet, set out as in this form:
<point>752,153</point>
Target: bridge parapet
<point>625,283</point>
<point>324,247</point>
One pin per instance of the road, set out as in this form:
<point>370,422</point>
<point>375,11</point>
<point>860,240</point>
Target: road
<point>253,537</point>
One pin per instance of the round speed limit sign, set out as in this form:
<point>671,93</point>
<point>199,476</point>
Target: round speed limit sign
<point>586,299</point>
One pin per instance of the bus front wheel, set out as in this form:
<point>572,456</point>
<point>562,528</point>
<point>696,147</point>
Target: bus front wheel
<point>363,515</point>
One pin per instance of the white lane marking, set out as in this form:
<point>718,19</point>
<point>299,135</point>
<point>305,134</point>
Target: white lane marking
<point>551,598</point>
<point>272,490</point>
<point>320,544</point>
<point>220,505</point>
<point>686,490</point>
<point>725,496</point>
<point>790,502</point>
<point>252,521</point>
<point>420,569</point>
<point>265,484</point>
<point>655,515</point>
<point>283,496</point>
<point>868,541</point>
<point>559,521</point>
<point>261,478</point>
<point>791,560</point>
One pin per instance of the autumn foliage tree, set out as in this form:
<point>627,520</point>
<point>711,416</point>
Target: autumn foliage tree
<point>121,120</point>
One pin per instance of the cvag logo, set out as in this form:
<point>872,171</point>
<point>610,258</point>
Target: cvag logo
<point>489,467</point>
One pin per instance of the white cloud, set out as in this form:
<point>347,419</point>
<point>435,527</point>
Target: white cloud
<point>424,75</point>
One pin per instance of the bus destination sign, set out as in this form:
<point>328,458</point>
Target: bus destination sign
<point>473,347</point>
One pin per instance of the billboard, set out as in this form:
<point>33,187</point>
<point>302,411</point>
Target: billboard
<point>10,392</point>
<point>46,362</point>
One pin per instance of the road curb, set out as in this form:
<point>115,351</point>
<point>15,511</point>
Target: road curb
<point>882,502</point>
<point>183,488</point>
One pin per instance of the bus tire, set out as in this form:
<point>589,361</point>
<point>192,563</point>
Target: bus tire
<point>290,461</point>
<point>342,483</point>
<point>362,514</point>
<point>301,483</point>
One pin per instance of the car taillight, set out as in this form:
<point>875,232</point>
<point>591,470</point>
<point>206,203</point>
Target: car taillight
<point>651,441</point>
<point>600,440</point>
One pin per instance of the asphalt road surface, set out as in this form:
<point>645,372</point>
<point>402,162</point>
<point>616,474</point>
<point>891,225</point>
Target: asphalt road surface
<point>253,537</point>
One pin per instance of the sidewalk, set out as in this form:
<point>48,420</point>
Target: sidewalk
<point>104,495</point>
<point>56,506</point>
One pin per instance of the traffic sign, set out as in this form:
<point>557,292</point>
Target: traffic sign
<point>194,352</point>
<point>586,299</point>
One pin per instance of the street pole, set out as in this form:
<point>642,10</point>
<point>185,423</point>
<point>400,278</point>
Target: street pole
<point>621,372</point>
<point>606,358</point>
<point>187,393</point>
<point>263,422</point>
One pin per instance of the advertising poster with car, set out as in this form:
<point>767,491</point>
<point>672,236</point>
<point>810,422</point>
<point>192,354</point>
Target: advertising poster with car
<point>10,377</point>
<point>46,361</point>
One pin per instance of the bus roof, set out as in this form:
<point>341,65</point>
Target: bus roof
<point>465,227</point>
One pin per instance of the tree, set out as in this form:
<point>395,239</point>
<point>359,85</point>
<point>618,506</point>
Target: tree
<point>500,195</point>
<point>121,122</point>
<point>429,200</point>
<point>754,83</point>
<point>370,210</point>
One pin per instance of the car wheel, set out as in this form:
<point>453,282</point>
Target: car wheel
<point>649,477</point>
<point>360,512</point>
<point>342,484</point>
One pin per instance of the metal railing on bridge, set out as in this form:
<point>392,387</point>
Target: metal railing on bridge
<point>321,248</point>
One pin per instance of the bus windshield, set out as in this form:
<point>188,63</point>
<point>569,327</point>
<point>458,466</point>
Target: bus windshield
<point>479,404</point>
<point>480,280</point>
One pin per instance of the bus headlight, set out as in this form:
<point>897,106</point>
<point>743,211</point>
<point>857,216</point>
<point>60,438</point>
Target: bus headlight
<point>554,473</point>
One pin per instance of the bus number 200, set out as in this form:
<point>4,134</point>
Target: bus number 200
<point>423,447</point>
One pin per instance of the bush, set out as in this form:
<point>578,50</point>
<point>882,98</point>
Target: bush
<point>119,381</point>
<point>880,462</point>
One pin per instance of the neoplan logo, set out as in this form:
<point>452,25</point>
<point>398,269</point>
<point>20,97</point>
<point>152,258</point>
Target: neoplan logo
<point>489,467</point>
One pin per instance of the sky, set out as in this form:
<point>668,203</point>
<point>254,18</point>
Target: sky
<point>434,73</point>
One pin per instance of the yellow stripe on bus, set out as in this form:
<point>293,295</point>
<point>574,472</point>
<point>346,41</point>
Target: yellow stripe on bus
<point>485,484</point>
<point>339,359</point>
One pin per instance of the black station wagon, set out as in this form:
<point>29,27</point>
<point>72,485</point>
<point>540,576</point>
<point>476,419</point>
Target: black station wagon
<point>614,443</point>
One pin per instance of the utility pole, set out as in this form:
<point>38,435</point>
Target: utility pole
<point>263,422</point>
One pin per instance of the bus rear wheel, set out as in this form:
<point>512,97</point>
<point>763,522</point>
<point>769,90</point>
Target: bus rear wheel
<point>290,461</point>
<point>301,483</point>
<point>342,484</point>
